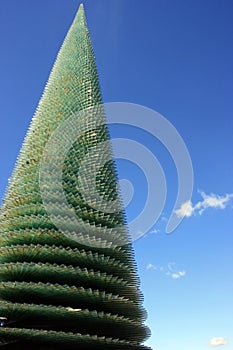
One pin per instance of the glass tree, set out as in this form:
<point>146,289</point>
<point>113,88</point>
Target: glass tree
<point>63,283</point>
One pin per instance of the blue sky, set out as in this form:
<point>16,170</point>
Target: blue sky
<point>174,57</point>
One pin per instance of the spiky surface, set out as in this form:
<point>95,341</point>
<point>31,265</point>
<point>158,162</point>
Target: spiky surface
<point>55,291</point>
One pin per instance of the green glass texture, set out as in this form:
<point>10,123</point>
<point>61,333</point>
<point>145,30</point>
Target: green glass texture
<point>57,292</point>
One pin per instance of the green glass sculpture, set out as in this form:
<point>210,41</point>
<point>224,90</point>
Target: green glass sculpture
<point>77,290</point>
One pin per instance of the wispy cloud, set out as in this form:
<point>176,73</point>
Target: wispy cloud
<point>168,270</point>
<point>151,267</point>
<point>178,274</point>
<point>155,231</point>
<point>173,272</point>
<point>163,218</point>
<point>208,201</point>
<point>216,341</point>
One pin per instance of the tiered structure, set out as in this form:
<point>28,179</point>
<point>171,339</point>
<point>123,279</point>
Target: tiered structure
<point>57,290</point>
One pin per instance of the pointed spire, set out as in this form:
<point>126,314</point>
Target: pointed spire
<point>81,7</point>
<point>72,86</point>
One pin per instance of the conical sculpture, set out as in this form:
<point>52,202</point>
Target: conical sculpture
<point>67,271</point>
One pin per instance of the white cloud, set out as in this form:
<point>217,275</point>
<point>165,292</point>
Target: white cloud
<point>154,231</point>
<point>216,341</point>
<point>178,274</point>
<point>213,201</point>
<point>208,201</point>
<point>186,209</point>
<point>163,218</point>
<point>169,270</point>
<point>151,267</point>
